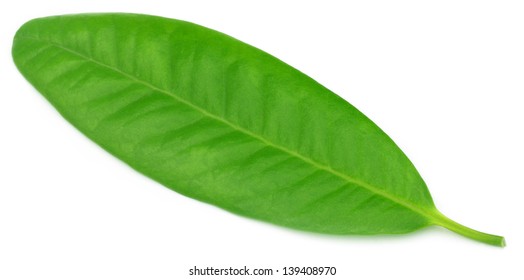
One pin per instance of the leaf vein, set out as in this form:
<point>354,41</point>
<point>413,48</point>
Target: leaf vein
<point>327,168</point>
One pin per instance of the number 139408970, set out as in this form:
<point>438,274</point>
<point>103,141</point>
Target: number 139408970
<point>310,270</point>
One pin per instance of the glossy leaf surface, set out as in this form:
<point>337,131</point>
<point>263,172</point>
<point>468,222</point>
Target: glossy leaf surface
<point>225,123</point>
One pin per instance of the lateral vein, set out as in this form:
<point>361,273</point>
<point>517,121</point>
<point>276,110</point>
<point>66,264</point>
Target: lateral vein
<point>428,214</point>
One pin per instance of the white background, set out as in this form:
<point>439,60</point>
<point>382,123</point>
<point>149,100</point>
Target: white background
<point>444,79</point>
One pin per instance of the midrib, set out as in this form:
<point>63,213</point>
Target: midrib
<point>431,216</point>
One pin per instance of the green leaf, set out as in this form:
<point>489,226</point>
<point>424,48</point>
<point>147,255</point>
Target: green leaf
<point>225,123</point>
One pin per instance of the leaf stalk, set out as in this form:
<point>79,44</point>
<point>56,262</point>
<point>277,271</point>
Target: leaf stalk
<point>490,239</point>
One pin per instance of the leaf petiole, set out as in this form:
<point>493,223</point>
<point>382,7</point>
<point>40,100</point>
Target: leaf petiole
<point>442,220</point>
